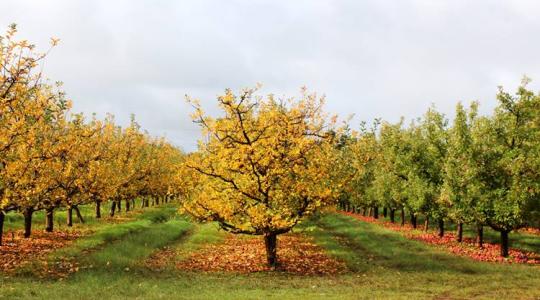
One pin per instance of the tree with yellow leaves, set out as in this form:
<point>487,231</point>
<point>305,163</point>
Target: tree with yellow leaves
<point>27,106</point>
<point>265,165</point>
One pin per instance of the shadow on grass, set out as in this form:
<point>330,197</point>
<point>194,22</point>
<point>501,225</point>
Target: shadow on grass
<point>365,245</point>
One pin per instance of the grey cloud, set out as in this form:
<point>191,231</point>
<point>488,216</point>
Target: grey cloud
<point>372,58</point>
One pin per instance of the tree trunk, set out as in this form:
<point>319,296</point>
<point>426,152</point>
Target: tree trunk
<point>98,209</point>
<point>49,219</point>
<point>426,224</point>
<point>480,236</point>
<point>119,205</point>
<point>2,217</point>
<point>127,205</point>
<point>441,227</point>
<point>504,243</point>
<point>133,203</point>
<point>270,241</point>
<point>392,215</point>
<point>364,213</point>
<point>403,217</point>
<point>70,216</point>
<point>376,212</point>
<point>157,200</point>
<point>28,222</point>
<point>79,215</point>
<point>459,236</point>
<point>413,220</point>
<point>113,208</point>
<point>385,212</point>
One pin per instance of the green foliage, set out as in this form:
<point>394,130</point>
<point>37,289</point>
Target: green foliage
<point>480,170</point>
<point>509,166</point>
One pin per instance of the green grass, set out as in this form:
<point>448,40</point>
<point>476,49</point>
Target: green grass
<point>136,246</point>
<point>389,259</point>
<point>384,265</point>
<point>108,233</point>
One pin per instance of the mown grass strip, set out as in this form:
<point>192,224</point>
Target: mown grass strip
<point>135,247</point>
<point>110,232</point>
<point>105,235</point>
<point>356,242</point>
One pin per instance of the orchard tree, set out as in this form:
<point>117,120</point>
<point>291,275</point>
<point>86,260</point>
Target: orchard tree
<point>509,162</point>
<point>391,176</point>
<point>28,166</point>
<point>265,164</point>
<point>98,176</point>
<point>413,160</point>
<point>388,188</point>
<point>127,155</point>
<point>364,153</point>
<point>24,103</point>
<point>463,191</point>
<point>76,148</point>
<point>433,135</point>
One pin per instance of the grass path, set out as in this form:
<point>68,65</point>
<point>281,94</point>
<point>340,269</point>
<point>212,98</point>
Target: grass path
<point>403,266</point>
<point>384,265</point>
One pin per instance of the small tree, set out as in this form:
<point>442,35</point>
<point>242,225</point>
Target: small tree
<point>26,102</point>
<point>508,143</point>
<point>432,145</point>
<point>391,177</point>
<point>463,191</point>
<point>265,165</point>
<point>363,155</point>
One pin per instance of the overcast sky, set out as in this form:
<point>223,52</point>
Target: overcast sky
<point>371,58</point>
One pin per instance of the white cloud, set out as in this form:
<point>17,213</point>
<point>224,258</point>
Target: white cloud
<point>372,58</point>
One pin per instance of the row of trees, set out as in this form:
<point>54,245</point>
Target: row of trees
<point>477,170</point>
<point>266,163</point>
<point>51,158</point>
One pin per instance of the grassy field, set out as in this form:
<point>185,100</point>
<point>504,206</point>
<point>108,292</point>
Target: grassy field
<point>383,265</point>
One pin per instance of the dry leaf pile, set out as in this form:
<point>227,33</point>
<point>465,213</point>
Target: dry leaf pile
<point>17,250</point>
<point>297,254</point>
